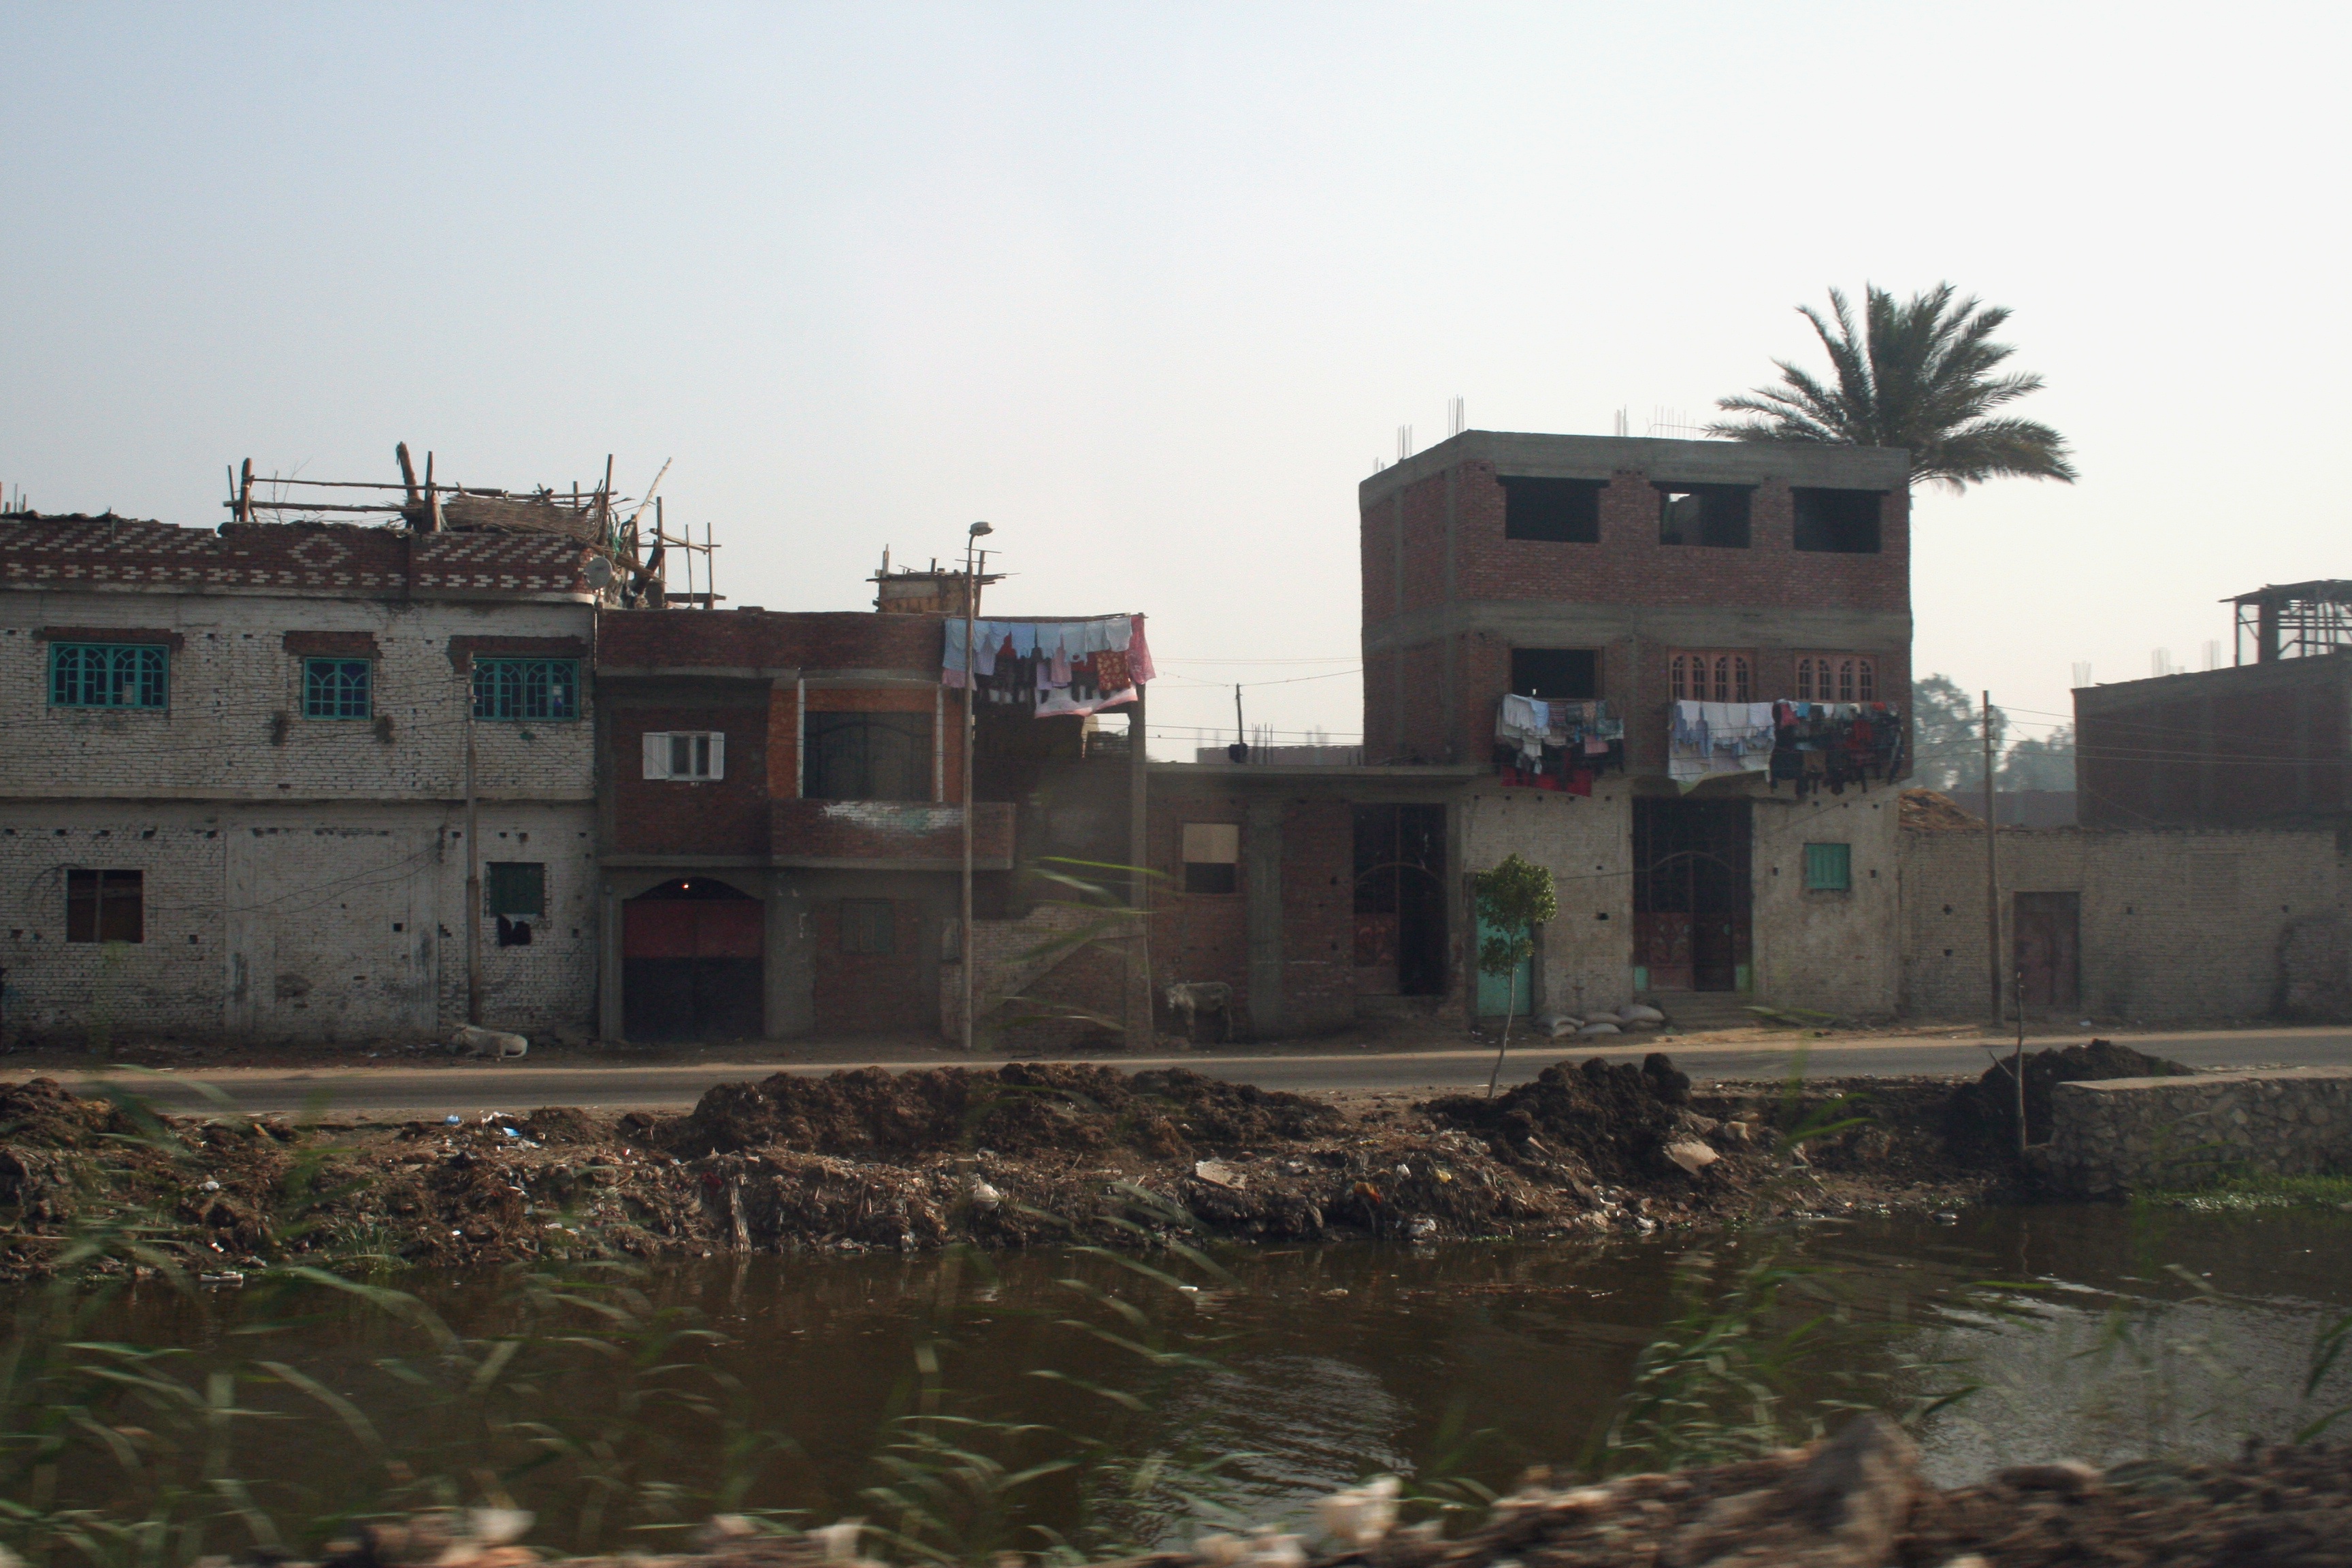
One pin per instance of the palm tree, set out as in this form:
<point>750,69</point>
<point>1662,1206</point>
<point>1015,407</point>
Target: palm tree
<point>1920,377</point>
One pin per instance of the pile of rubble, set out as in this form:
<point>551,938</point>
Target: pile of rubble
<point>1021,1154</point>
<point>1857,1501</point>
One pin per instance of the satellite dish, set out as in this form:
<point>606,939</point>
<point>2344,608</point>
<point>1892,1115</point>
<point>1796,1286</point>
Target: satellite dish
<point>600,571</point>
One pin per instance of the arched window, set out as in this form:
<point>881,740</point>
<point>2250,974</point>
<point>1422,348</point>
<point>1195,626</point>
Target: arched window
<point>1836,678</point>
<point>1710,677</point>
<point>1805,680</point>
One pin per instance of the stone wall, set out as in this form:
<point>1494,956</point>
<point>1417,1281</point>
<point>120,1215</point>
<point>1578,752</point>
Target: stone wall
<point>2134,1132</point>
<point>2177,924</point>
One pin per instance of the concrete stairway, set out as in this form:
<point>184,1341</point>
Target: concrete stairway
<point>1693,1010</point>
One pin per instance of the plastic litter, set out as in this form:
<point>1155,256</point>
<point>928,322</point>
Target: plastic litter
<point>1691,1156</point>
<point>453,1121</point>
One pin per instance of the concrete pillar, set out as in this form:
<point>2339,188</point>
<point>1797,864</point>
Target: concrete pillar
<point>789,961</point>
<point>609,1026</point>
<point>1262,852</point>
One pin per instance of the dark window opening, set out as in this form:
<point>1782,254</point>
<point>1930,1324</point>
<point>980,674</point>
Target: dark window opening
<point>1713,515</point>
<point>1556,672</point>
<point>1844,523</point>
<point>869,928</point>
<point>106,906</point>
<point>1401,944</point>
<point>1212,854</point>
<point>1560,512</point>
<point>516,888</point>
<point>867,756</point>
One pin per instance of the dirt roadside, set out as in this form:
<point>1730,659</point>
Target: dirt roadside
<point>1022,1154</point>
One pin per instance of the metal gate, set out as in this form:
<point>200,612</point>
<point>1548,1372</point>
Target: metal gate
<point>690,963</point>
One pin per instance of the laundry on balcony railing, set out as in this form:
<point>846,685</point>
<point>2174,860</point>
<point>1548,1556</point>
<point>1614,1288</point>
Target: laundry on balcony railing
<point>1811,745</point>
<point>1829,745</point>
<point>1049,668</point>
<point>1560,744</point>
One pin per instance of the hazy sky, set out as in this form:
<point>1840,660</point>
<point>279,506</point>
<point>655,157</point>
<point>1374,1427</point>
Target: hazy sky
<point>1150,288</point>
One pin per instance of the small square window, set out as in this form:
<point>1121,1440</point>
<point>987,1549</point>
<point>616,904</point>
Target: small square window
<point>686,754</point>
<point>870,928</point>
<point>337,687</point>
<point>1212,854</point>
<point>516,888</point>
<point>105,906</point>
<point>1829,867</point>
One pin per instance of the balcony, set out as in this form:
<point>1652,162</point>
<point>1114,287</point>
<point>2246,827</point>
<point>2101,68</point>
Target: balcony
<point>887,835</point>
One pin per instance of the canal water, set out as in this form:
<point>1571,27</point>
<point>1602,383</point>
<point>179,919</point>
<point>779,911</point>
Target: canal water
<point>1151,1397</point>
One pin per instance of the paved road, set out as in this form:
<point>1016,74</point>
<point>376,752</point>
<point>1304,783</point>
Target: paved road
<point>470,1090</point>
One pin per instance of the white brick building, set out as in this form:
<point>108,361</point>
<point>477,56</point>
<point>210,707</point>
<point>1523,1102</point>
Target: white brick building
<point>234,796</point>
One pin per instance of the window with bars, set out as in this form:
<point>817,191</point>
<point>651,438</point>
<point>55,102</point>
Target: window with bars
<point>337,687</point>
<point>1836,678</point>
<point>108,674</point>
<point>106,906</point>
<point>523,688</point>
<point>1710,677</point>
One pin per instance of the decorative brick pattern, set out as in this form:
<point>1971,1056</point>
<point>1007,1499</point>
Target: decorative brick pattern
<point>334,559</point>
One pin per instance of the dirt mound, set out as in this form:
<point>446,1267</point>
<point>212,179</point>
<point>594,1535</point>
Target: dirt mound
<point>1615,1116</point>
<point>1020,1108</point>
<point>1984,1112</point>
<point>557,1125</point>
<point>42,1113</point>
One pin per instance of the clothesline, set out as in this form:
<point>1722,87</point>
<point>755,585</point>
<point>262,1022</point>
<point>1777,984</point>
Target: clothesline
<point>1050,667</point>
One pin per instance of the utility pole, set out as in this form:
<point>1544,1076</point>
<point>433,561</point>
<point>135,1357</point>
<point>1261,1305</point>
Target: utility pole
<point>2017,1064</point>
<point>473,862</point>
<point>1993,868</point>
<point>1241,735</point>
<point>971,619</point>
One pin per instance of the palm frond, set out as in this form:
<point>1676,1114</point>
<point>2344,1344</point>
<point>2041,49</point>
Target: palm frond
<point>1921,375</point>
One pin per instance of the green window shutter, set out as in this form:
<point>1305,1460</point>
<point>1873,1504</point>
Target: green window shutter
<point>1829,867</point>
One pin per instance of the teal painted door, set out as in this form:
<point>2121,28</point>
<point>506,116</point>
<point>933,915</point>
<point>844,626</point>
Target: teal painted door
<point>1496,993</point>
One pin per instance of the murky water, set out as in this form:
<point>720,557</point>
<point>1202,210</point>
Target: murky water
<point>2093,1331</point>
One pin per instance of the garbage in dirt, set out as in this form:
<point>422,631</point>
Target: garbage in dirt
<point>1691,1155</point>
<point>1218,1172</point>
<point>1020,1107</point>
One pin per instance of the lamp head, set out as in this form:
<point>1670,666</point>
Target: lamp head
<point>978,529</point>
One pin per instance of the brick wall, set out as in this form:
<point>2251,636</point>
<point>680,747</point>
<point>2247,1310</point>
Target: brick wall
<point>725,815</point>
<point>235,729</point>
<point>2177,924</point>
<point>872,992</point>
<point>777,640</point>
<point>2254,745</point>
<point>1437,540</point>
<point>1205,936</point>
<point>318,922</point>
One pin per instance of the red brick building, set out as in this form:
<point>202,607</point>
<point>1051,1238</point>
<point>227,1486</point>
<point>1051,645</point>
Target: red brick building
<point>781,819</point>
<point>1639,573</point>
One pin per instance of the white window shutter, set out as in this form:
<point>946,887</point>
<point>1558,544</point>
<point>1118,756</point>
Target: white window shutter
<point>656,755</point>
<point>717,754</point>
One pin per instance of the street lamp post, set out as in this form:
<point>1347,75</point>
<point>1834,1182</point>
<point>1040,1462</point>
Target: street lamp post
<point>972,553</point>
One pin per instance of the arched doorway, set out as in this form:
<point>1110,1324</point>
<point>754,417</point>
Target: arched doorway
<point>691,962</point>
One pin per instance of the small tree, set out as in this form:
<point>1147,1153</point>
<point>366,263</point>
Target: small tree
<point>1513,898</point>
